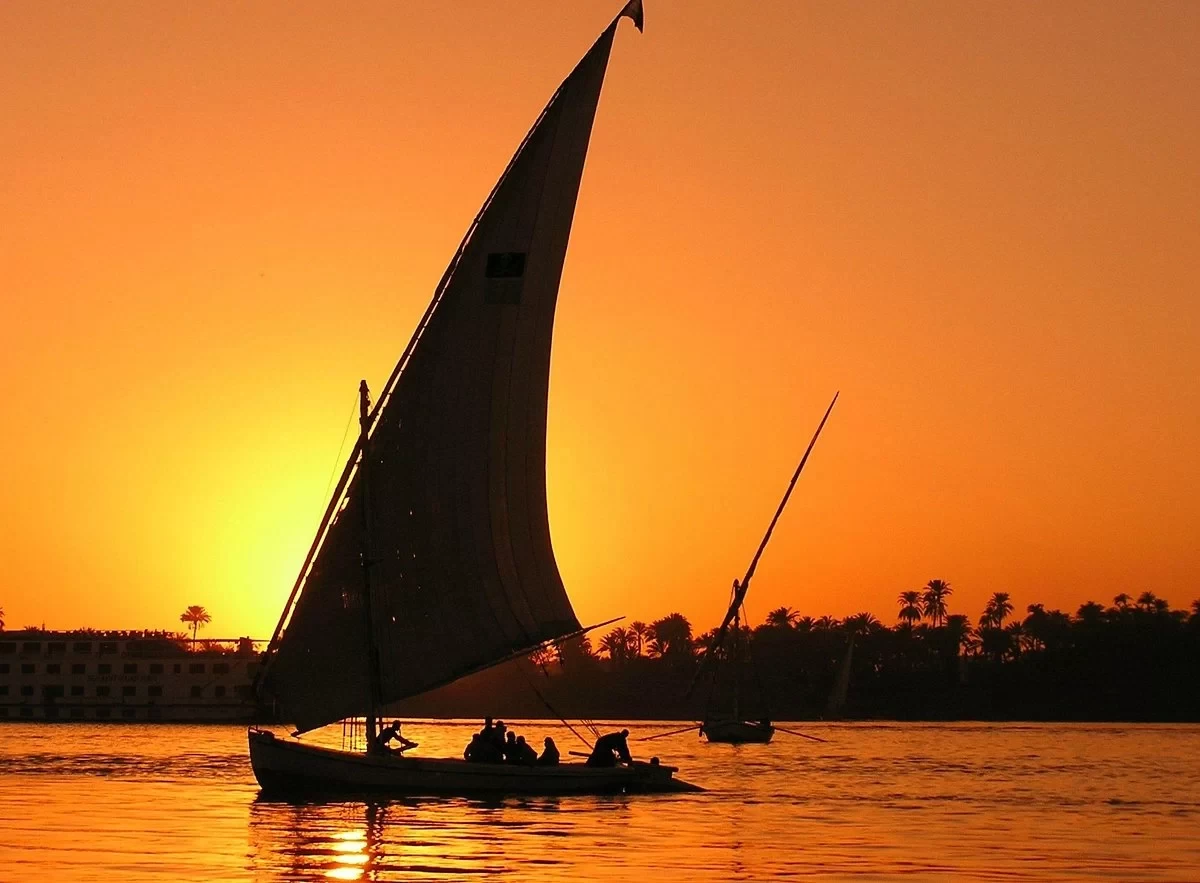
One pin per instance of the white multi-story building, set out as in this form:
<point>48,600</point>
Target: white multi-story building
<point>141,676</point>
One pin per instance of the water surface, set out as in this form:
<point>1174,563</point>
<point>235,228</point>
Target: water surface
<point>1009,802</point>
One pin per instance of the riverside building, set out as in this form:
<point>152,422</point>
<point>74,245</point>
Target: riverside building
<point>125,676</point>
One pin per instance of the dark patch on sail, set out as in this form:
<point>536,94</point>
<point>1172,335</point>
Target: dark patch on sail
<point>504,273</point>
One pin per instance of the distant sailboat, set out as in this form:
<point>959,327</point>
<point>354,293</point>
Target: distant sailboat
<point>433,559</point>
<point>733,727</point>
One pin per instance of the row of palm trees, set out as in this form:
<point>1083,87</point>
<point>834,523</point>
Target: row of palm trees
<point>923,613</point>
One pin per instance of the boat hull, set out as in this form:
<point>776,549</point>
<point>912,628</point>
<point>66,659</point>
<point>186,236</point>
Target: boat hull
<point>288,768</point>
<point>733,732</point>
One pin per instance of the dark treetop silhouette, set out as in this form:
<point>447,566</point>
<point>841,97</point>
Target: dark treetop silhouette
<point>1131,660</point>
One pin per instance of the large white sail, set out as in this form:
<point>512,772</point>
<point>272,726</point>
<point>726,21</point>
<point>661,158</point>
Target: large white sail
<point>462,570</point>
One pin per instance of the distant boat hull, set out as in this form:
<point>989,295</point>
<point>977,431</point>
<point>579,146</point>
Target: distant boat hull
<point>733,732</point>
<point>288,768</point>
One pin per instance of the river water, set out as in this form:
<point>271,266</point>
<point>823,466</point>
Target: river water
<point>1007,802</point>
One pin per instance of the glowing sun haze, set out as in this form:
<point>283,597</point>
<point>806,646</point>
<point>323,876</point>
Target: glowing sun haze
<point>976,220</point>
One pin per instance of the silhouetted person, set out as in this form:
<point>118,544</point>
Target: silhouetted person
<point>482,750</point>
<point>498,733</point>
<point>392,731</point>
<point>609,748</point>
<point>523,753</point>
<point>472,752</point>
<point>510,747</point>
<point>486,732</point>
<point>549,754</point>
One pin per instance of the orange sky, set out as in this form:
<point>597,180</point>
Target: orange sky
<point>976,220</point>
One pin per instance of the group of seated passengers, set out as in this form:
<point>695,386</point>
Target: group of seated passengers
<point>495,743</point>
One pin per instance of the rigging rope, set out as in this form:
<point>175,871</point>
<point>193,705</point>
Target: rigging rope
<point>341,446</point>
<point>550,707</point>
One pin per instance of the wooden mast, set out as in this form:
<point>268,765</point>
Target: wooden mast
<point>364,468</point>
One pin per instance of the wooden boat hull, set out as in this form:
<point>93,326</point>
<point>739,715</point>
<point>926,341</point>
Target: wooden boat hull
<point>733,732</point>
<point>285,767</point>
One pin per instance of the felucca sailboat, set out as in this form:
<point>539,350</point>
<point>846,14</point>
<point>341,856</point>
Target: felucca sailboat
<point>433,559</point>
<point>730,646</point>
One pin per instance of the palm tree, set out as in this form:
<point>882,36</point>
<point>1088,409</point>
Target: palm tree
<point>805,624</point>
<point>674,633</point>
<point>997,610</point>
<point>933,600</point>
<point>1121,601</point>
<point>1019,640</point>
<point>860,623</point>
<point>197,616</point>
<point>616,644</point>
<point>958,627</point>
<point>782,618</point>
<point>1195,612</point>
<point>1090,613</point>
<point>825,623</point>
<point>910,607</point>
<point>1147,601</point>
<point>638,632</point>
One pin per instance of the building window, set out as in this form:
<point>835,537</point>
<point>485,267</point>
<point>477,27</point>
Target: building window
<point>53,669</point>
<point>53,691</point>
<point>3,668</point>
<point>31,647</point>
<point>103,712</point>
<point>130,668</point>
<point>220,668</point>
<point>104,668</point>
<point>156,668</point>
<point>82,647</point>
<point>128,712</point>
<point>51,711</point>
<point>56,647</point>
<point>102,690</point>
<point>197,692</point>
<point>77,689</point>
<point>76,713</point>
<point>3,711</point>
<point>154,690</point>
<point>27,689</point>
<point>219,691</point>
<point>28,668</point>
<point>196,668</point>
<point>78,669</point>
<point>108,647</point>
<point>8,647</point>
<point>3,689</point>
<point>129,690</point>
<point>178,668</point>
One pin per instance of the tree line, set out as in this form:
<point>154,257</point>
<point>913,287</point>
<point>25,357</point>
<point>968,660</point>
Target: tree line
<point>1133,659</point>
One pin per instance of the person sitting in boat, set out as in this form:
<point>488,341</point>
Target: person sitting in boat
<point>611,748</point>
<point>523,753</point>
<point>390,732</point>
<point>482,750</point>
<point>550,755</point>
<point>510,747</point>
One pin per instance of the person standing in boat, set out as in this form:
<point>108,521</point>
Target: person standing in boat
<point>611,748</point>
